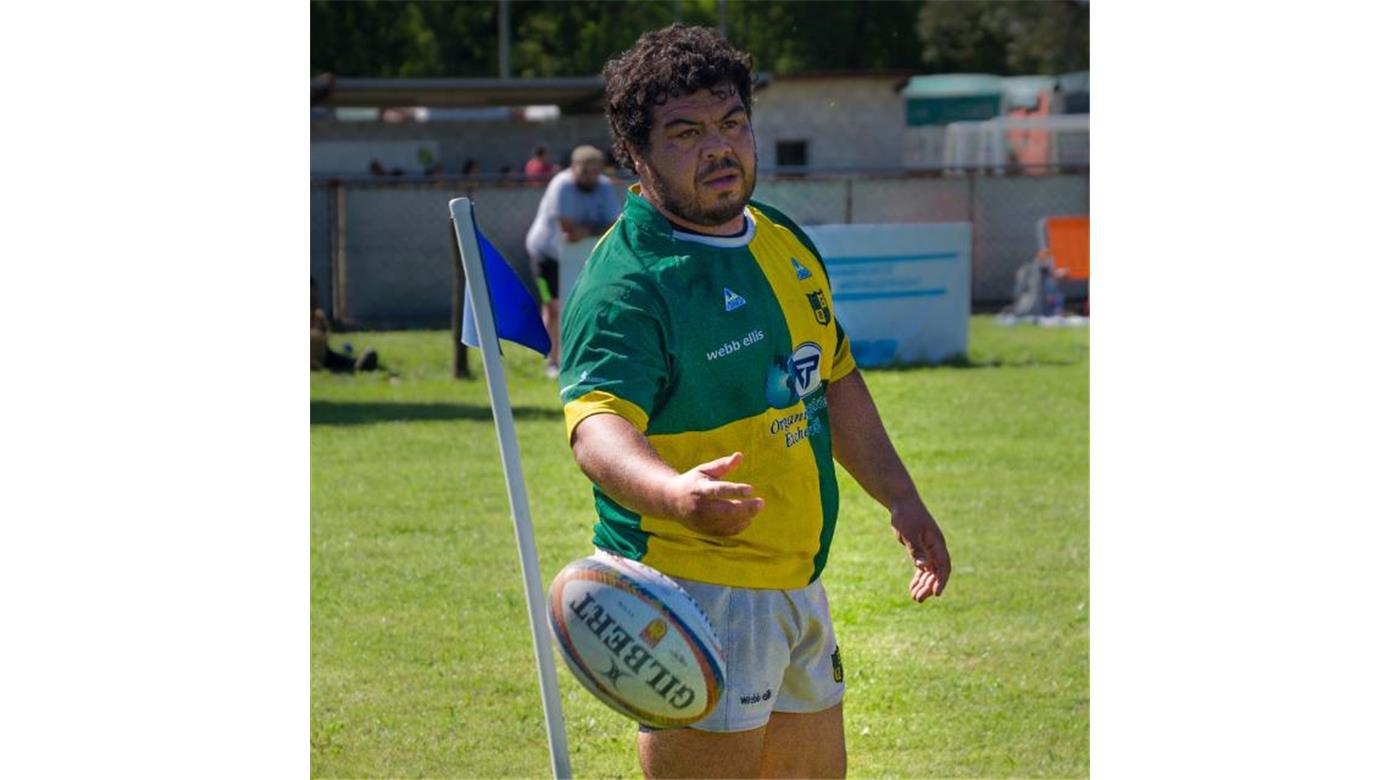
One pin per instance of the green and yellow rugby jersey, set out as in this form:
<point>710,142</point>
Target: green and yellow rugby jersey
<point>709,346</point>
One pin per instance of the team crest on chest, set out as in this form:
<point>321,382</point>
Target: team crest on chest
<point>819,308</point>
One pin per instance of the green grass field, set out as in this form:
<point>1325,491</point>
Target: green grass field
<point>421,660</point>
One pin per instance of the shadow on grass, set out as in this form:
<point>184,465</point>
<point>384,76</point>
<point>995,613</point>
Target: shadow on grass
<point>366,412</point>
<point>963,361</point>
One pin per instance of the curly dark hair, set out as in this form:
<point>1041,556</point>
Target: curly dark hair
<point>663,64</point>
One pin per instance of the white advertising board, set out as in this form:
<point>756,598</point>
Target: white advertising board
<point>572,255</point>
<point>903,292</point>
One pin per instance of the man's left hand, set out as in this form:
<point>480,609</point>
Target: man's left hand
<point>916,530</point>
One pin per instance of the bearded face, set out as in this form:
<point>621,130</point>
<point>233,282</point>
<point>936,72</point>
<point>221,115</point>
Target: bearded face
<point>701,164</point>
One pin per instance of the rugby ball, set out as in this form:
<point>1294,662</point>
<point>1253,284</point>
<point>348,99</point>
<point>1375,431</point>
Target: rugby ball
<point>635,639</point>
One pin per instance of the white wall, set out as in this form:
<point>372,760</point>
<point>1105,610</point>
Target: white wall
<point>847,122</point>
<point>491,144</point>
<point>854,121</point>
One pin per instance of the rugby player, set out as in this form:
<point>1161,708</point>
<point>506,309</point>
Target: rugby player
<point>709,390</point>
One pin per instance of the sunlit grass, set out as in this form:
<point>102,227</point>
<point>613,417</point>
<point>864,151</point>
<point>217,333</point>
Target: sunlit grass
<point>421,659</point>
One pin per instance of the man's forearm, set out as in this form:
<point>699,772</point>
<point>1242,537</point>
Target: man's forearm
<point>862,446</point>
<point>575,230</point>
<point>618,459</point>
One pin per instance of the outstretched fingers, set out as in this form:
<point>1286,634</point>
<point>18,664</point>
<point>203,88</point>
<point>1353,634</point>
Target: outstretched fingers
<point>726,517</point>
<point>712,505</point>
<point>721,466</point>
<point>720,489</point>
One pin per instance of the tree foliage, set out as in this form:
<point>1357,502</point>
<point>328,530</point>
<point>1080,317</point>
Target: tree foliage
<point>373,38</point>
<point>1005,38</point>
<point>798,37</point>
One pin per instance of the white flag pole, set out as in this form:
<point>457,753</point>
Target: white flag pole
<point>464,224</point>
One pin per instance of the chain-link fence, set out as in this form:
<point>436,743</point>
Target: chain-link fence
<point>385,248</point>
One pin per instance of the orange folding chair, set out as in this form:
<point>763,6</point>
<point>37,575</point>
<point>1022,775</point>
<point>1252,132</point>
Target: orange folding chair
<point>1066,239</point>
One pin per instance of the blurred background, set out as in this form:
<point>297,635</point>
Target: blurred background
<point>864,112</point>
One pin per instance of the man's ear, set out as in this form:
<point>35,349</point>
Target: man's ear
<point>637,162</point>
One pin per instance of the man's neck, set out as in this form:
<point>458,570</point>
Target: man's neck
<point>730,228</point>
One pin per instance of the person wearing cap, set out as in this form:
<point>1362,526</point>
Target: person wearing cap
<point>578,203</point>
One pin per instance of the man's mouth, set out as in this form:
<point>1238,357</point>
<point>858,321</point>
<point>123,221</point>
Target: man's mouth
<point>722,180</point>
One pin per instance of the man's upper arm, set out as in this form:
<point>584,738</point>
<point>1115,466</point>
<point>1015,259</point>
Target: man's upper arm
<point>612,356</point>
<point>563,203</point>
<point>550,202</point>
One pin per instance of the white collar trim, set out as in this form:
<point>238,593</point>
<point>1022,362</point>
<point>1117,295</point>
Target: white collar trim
<point>720,242</point>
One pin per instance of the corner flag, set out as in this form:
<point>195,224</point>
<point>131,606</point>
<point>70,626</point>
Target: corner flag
<point>516,315</point>
<point>501,300</point>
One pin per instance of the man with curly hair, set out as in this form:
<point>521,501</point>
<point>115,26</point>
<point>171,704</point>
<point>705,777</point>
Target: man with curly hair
<point>708,388</point>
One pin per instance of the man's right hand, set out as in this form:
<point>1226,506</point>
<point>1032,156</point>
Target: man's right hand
<point>705,503</point>
<point>618,459</point>
<point>575,231</point>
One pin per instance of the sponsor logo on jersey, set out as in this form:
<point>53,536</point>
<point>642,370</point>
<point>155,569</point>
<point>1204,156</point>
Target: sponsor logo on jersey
<point>799,426</point>
<point>819,308</point>
<point>732,300</point>
<point>802,272</point>
<point>804,363</point>
<point>837,673</point>
<point>793,377</point>
<point>730,347</point>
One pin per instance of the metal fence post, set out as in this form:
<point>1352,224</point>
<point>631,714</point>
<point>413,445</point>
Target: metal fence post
<point>972,217</point>
<point>338,271</point>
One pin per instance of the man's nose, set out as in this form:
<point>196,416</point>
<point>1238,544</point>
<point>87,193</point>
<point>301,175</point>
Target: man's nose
<point>715,145</point>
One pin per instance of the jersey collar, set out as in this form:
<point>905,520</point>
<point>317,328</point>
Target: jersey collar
<point>648,217</point>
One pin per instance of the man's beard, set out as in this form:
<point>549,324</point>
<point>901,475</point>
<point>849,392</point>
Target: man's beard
<point>690,208</point>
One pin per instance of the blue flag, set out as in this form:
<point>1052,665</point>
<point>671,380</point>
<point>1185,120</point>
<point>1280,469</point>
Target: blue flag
<point>517,314</point>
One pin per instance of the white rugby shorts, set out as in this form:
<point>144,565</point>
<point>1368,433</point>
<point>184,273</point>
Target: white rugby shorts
<point>780,653</point>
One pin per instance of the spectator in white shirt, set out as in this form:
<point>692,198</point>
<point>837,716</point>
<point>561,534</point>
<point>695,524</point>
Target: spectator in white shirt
<point>579,202</point>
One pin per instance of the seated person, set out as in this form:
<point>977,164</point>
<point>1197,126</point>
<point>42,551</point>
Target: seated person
<point>325,358</point>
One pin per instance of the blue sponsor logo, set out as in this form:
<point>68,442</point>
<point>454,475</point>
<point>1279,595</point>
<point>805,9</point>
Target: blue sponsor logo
<point>802,272</point>
<point>732,300</point>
